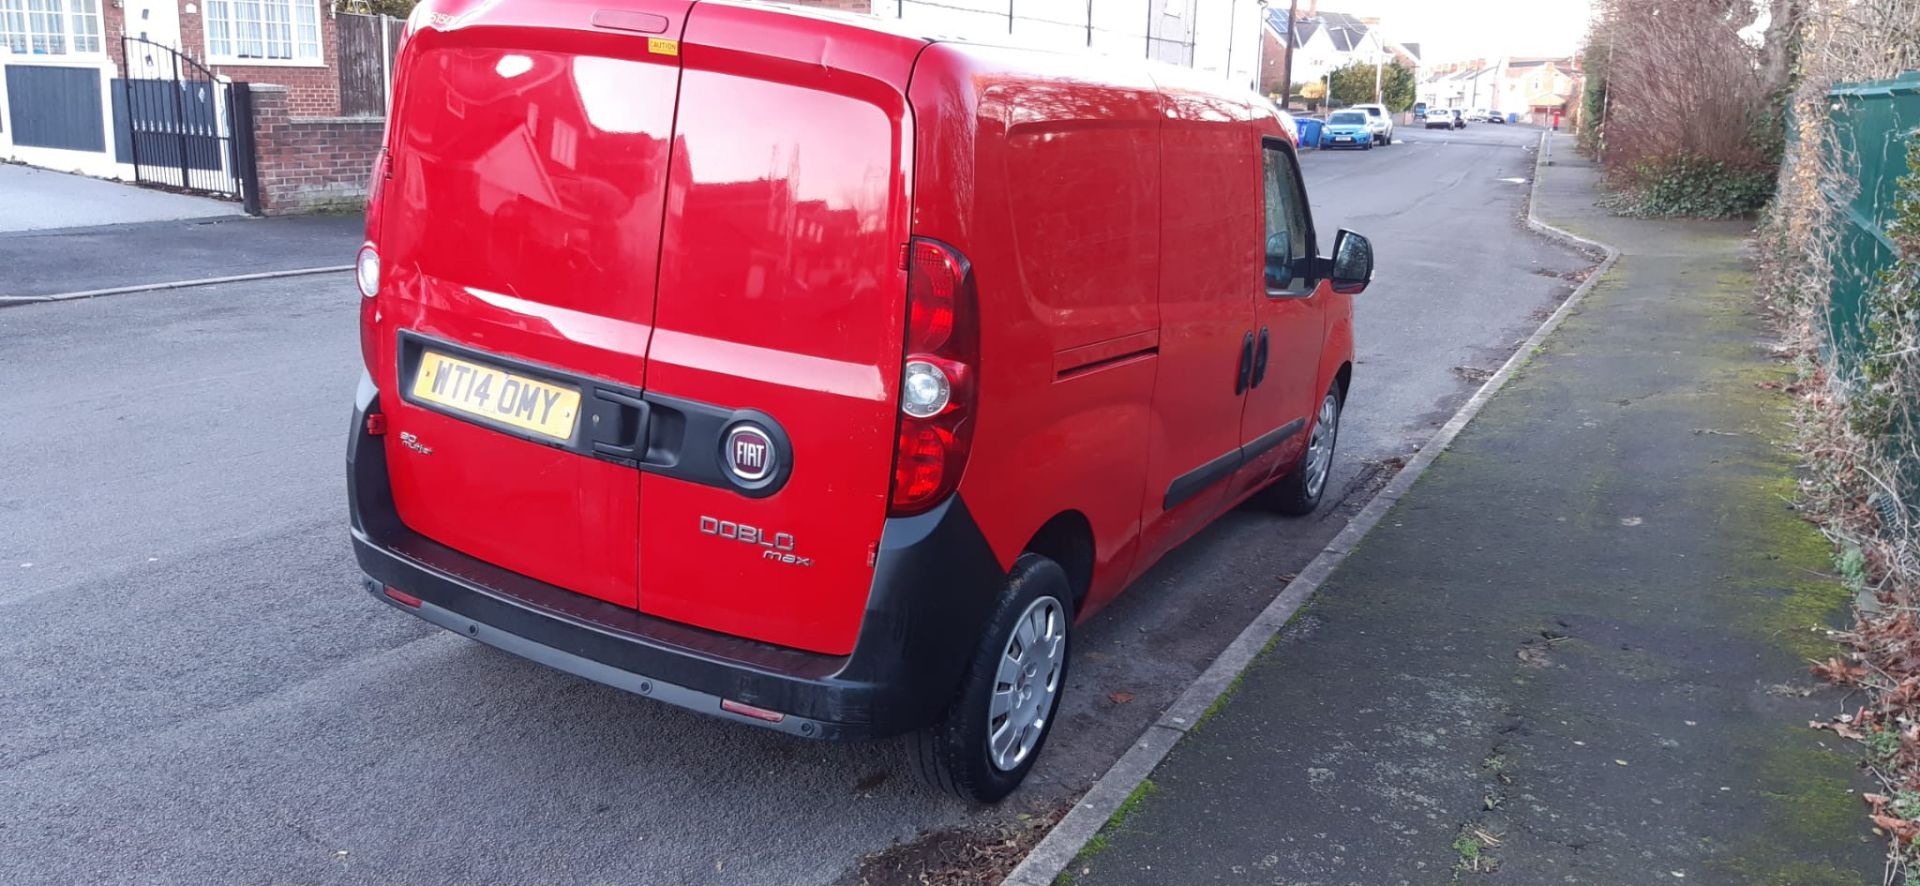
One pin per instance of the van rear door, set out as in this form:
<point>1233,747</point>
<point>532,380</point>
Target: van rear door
<point>782,291</point>
<point>521,234</point>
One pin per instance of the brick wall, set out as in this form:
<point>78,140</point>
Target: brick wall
<point>312,90</point>
<point>1273,64</point>
<point>308,163</point>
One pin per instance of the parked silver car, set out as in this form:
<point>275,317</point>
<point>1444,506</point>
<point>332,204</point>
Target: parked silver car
<point>1379,121</point>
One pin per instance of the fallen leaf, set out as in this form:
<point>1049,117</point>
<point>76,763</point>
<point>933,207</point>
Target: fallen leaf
<point>1839,672</point>
<point>1120,697</point>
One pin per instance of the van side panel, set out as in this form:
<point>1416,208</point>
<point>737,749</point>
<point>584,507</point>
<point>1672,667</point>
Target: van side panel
<point>1044,171</point>
<point>781,290</point>
<point>1208,221</point>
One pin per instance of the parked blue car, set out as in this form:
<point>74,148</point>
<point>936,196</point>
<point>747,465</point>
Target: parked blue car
<point>1347,129</point>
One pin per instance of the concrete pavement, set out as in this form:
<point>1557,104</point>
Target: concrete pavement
<point>1574,652</point>
<point>198,691</point>
<point>33,199</point>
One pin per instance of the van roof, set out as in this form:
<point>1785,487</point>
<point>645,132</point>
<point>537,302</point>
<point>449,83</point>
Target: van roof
<point>898,28</point>
<point>1164,74</point>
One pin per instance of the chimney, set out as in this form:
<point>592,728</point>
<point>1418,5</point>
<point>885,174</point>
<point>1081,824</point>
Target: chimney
<point>1313,8</point>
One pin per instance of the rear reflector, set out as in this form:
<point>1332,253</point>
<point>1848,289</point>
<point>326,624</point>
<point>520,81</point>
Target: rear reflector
<point>403,598</point>
<point>747,710</point>
<point>376,424</point>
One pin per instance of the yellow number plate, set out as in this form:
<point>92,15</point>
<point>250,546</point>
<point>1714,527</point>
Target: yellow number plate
<point>497,395</point>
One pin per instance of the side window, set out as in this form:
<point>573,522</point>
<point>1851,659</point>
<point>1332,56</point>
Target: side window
<point>1289,240</point>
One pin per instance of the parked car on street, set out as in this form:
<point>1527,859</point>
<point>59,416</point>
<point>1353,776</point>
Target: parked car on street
<point>1347,129</point>
<point>1379,122</point>
<point>1444,118</point>
<point>897,393</point>
<point>1419,111</point>
<point>1496,117</point>
<point>1477,115</point>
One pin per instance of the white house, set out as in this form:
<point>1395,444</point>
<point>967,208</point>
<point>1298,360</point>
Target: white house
<point>1321,41</point>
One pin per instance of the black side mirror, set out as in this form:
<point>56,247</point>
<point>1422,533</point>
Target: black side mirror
<point>1352,263</point>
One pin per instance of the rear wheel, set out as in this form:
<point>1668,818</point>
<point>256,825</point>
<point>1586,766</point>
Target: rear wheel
<point>986,743</point>
<point>1299,492</point>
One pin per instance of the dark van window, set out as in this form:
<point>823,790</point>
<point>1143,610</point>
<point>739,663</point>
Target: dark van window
<point>1287,240</point>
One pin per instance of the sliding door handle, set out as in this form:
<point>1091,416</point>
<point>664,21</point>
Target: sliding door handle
<point>1245,374</point>
<point>1260,359</point>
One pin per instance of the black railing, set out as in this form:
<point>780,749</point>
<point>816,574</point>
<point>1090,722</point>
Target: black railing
<point>187,128</point>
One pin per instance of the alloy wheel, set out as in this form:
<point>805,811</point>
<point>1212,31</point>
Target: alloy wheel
<point>1326,426</point>
<point>1028,679</point>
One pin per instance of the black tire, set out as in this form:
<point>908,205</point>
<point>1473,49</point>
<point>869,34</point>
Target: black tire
<point>955,754</point>
<point>1297,494</point>
<point>1367,147</point>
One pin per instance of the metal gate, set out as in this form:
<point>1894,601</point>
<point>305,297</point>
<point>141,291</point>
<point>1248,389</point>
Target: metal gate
<point>187,129</point>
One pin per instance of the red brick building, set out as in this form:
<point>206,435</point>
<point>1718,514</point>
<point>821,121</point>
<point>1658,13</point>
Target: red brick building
<point>291,43</point>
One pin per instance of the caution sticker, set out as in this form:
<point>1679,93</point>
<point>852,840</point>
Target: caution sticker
<point>663,46</point>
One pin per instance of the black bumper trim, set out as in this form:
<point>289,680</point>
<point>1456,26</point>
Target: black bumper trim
<point>935,581</point>
<point>598,672</point>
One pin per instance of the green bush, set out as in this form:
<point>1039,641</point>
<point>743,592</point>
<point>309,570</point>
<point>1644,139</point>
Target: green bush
<point>1694,187</point>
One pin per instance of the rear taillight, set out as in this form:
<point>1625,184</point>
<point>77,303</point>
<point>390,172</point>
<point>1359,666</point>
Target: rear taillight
<point>376,192</point>
<point>937,385</point>
<point>366,271</point>
<point>366,275</point>
<point>366,265</point>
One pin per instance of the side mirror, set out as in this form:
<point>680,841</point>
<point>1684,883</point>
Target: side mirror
<point>1352,263</point>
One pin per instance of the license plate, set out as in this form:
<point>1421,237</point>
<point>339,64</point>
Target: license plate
<point>1342,138</point>
<point>497,395</point>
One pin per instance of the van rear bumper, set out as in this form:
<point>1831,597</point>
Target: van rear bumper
<point>935,580</point>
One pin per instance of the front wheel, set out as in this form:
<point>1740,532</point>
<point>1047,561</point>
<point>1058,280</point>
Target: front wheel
<point>987,741</point>
<point>1299,492</point>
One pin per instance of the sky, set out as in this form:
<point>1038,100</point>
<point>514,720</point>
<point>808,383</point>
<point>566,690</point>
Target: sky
<point>1451,30</point>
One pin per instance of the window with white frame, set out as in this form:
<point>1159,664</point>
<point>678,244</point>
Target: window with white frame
<point>50,27</point>
<point>241,31</point>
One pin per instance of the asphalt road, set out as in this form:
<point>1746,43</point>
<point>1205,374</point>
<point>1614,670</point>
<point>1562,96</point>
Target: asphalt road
<point>196,690</point>
<point>41,262</point>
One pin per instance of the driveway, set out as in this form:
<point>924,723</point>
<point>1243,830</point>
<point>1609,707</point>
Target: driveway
<point>198,691</point>
<point>41,199</point>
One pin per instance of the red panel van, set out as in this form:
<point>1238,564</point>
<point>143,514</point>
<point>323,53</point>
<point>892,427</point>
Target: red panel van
<point>818,376</point>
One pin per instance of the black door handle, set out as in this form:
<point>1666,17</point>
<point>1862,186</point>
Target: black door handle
<point>1260,359</point>
<point>1246,365</point>
<point>617,426</point>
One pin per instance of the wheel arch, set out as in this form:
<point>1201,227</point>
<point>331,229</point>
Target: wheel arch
<point>1067,539</point>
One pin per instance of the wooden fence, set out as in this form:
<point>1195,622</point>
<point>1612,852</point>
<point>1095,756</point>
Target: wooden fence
<point>365,62</point>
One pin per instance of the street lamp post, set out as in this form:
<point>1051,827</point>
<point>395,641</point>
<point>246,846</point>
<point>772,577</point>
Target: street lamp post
<point>1379,63</point>
<point>1293,14</point>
